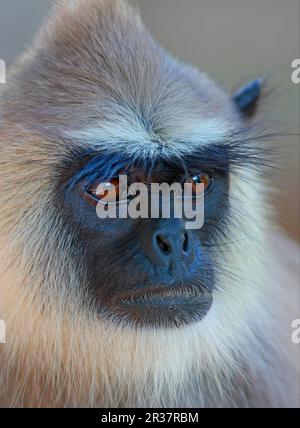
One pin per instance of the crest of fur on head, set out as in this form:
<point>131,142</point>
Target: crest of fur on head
<point>95,72</point>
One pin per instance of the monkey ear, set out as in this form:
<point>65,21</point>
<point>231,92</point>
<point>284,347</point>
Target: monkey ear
<point>246,98</point>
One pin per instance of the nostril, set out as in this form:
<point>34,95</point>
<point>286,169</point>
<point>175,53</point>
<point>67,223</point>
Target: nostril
<point>185,244</point>
<point>163,245</point>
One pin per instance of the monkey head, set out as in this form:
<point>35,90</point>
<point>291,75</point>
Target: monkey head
<point>95,98</point>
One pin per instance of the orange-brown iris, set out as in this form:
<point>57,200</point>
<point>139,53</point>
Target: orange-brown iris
<point>106,192</point>
<point>204,179</point>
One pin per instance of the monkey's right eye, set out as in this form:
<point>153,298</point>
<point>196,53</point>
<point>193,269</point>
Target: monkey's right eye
<point>108,192</point>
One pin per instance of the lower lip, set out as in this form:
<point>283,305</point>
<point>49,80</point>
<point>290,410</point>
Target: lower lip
<point>164,298</point>
<point>166,308</point>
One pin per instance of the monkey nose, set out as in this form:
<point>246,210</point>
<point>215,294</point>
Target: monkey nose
<point>171,247</point>
<point>168,244</point>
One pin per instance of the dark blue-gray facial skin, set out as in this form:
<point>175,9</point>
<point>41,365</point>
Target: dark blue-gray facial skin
<point>146,272</point>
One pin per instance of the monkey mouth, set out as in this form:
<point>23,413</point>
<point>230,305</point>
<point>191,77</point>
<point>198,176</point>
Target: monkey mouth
<point>161,295</point>
<point>163,307</point>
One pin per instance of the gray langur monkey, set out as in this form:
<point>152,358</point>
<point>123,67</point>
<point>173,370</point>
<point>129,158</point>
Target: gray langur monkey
<point>136,313</point>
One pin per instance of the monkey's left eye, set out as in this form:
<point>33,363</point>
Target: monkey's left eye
<point>195,190</point>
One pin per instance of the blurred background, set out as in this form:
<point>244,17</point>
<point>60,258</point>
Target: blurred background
<point>233,41</point>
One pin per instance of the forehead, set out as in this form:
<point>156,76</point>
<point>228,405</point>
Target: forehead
<point>97,77</point>
<point>186,118</point>
<point>132,138</point>
<point>185,109</point>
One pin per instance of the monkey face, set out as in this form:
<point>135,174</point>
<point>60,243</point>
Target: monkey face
<point>147,271</point>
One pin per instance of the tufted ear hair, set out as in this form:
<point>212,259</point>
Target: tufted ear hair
<point>246,98</point>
